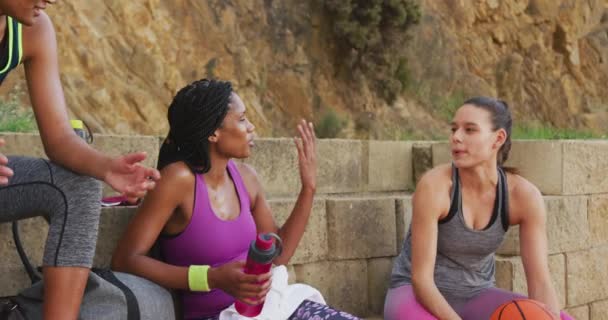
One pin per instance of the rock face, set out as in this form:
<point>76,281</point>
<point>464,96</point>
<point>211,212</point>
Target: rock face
<point>122,61</point>
<point>547,58</point>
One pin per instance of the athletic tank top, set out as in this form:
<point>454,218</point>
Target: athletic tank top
<point>208,240</point>
<point>465,257</point>
<point>11,48</point>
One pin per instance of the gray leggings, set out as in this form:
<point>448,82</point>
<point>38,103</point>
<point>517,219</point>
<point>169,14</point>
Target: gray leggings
<point>69,201</point>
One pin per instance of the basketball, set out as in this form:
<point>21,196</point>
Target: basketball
<point>521,309</point>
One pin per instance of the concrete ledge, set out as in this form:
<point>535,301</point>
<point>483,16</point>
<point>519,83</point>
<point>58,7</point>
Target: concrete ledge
<point>587,275</point>
<point>404,218</point>
<point>13,280</point>
<point>313,246</point>
<point>32,233</point>
<point>567,226</point>
<point>585,167</point>
<point>389,165</point>
<point>112,225</point>
<point>361,228</point>
<point>579,313</point>
<point>378,275</point>
<point>599,310</point>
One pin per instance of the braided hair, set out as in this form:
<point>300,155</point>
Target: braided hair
<point>196,111</point>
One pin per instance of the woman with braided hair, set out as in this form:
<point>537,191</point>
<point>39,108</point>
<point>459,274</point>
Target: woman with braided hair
<point>207,208</point>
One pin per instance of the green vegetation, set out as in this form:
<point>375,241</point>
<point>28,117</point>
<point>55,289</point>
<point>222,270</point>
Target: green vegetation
<point>446,106</point>
<point>330,125</point>
<point>372,34</point>
<point>550,133</point>
<point>13,118</point>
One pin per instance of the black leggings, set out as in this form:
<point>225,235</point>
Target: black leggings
<point>69,201</point>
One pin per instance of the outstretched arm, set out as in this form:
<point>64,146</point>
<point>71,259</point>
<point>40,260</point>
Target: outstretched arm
<point>61,144</point>
<point>292,230</point>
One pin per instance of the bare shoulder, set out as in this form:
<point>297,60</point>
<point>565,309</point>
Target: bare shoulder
<point>176,174</point>
<point>39,35</point>
<point>521,190</point>
<point>433,192</point>
<point>250,177</point>
<point>525,200</point>
<point>440,176</point>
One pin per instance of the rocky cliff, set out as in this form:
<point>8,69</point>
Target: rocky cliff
<point>122,61</point>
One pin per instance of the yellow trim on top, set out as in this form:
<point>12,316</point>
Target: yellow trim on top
<point>9,22</point>
<point>20,41</point>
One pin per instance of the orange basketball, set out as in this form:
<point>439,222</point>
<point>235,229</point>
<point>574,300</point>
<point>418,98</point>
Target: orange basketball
<point>521,309</point>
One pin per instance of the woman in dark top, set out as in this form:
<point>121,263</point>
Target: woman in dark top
<point>65,189</point>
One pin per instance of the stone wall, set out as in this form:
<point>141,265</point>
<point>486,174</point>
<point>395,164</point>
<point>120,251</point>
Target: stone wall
<point>362,211</point>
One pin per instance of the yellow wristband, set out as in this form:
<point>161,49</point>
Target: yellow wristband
<point>197,278</point>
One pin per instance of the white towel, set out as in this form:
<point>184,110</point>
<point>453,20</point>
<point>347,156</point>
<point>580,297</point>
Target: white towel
<point>282,299</point>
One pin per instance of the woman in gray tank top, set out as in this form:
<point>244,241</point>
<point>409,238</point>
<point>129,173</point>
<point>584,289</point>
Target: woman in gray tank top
<point>461,212</point>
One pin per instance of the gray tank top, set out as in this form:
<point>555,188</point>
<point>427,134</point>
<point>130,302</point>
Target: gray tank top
<point>465,257</point>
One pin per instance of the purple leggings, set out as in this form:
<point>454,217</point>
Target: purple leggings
<point>401,304</point>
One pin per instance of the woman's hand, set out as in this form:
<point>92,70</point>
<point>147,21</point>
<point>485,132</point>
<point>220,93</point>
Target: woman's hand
<point>307,155</point>
<point>251,289</point>
<point>5,172</point>
<point>127,176</point>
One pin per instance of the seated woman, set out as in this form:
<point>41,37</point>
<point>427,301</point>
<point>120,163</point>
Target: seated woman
<point>461,212</point>
<point>207,208</point>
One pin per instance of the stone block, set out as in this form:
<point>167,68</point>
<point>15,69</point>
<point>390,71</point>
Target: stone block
<point>313,245</point>
<point>361,228</point>
<point>587,277</point>
<point>12,280</point>
<point>598,310</point>
<point>580,312</point>
<point>33,233</point>
<point>112,225</point>
<point>343,284</point>
<point>389,165</point>
<point>585,167</point>
<point>539,161</point>
<point>379,274</point>
<point>598,219</point>
<point>422,158</point>
<point>23,144</point>
<point>340,167</point>
<point>276,162</point>
<point>338,161</point>
<point>567,226</point>
<point>510,275</point>
<point>404,218</point>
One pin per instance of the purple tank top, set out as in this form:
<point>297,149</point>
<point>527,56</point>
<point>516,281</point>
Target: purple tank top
<point>208,240</point>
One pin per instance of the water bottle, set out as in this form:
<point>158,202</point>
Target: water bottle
<point>262,252</point>
<point>78,127</point>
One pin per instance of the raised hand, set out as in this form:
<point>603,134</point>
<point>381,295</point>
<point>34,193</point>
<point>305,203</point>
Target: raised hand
<point>251,289</point>
<point>127,176</point>
<point>5,172</point>
<point>307,154</point>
